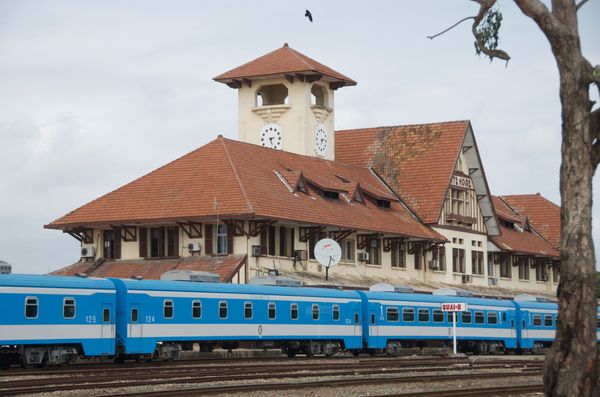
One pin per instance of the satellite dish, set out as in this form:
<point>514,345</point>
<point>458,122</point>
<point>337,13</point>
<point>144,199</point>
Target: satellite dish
<point>328,252</point>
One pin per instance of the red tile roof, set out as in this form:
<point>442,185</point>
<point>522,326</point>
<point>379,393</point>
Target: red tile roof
<point>226,267</point>
<point>228,171</point>
<point>284,60</point>
<point>503,211</point>
<point>523,243</point>
<point>417,161</point>
<point>541,213</point>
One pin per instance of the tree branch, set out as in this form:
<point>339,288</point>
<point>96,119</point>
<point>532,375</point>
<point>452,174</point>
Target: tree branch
<point>450,28</point>
<point>580,4</point>
<point>538,11</point>
<point>484,7</point>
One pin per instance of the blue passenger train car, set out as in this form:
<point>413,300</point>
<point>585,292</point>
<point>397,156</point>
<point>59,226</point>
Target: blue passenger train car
<point>395,320</point>
<point>162,317</point>
<point>53,319</point>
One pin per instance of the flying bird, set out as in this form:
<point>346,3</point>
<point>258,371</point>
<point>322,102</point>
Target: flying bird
<point>308,15</point>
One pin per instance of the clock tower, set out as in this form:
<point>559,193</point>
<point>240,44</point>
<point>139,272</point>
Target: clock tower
<point>286,102</point>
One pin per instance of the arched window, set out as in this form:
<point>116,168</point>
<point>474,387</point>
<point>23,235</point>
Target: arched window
<point>318,95</point>
<point>273,94</point>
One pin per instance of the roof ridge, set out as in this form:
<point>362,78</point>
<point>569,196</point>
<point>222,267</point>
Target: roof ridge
<point>237,177</point>
<point>300,56</point>
<point>405,125</point>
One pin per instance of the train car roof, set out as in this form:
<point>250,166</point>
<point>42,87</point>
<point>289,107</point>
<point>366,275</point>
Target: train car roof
<point>188,286</point>
<point>51,281</point>
<point>395,296</point>
<point>537,305</point>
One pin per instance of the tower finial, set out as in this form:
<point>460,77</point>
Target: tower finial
<point>285,45</point>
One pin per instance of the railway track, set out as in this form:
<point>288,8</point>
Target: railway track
<point>365,370</point>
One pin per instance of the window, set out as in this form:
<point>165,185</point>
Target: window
<point>438,316</point>
<point>157,242</point>
<point>294,311</point>
<point>168,309</point>
<point>555,271</point>
<point>374,252</point>
<point>423,315</point>
<point>272,94</point>
<point>503,317</point>
<point>172,241</point>
<point>523,263</point>
<point>399,256</point>
<point>335,312</point>
<point>418,257</point>
<point>537,320</point>
<point>331,195</point>
<point>222,239</point>
<point>315,312</point>
<point>134,315</point>
<point>31,307</point>
<point>505,269</point>
<point>408,314</point>
<point>348,250</point>
<point>548,320</point>
<point>356,318</point>
<point>466,317</point>
<point>372,318</point>
<point>451,317</point>
<point>479,318</point>
<point>222,310</point>
<point>318,96</point>
<point>439,258</point>
<point>112,244</point>
<point>248,310</point>
<point>540,270</point>
<point>271,311</point>
<point>106,315</point>
<point>69,308</point>
<point>392,314</point>
<point>477,262</point>
<point>458,260</point>
<point>492,318</point>
<point>196,309</point>
<point>384,203</point>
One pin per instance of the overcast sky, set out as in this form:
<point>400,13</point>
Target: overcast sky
<point>94,94</point>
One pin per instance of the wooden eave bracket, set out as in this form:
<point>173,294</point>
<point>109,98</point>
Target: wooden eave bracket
<point>234,84</point>
<point>290,78</point>
<point>191,229</point>
<point>363,240</point>
<point>126,232</point>
<point>339,235</point>
<point>466,148</point>
<point>238,225</point>
<point>81,234</point>
<point>473,170</point>
<point>334,85</point>
<point>391,243</point>
<point>311,78</point>
<point>417,244</point>
<point>307,232</point>
<point>256,227</point>
<point>481,196</point>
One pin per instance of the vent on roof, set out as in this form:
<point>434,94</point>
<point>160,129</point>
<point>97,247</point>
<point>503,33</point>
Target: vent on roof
<point>385,287</point>
<point>190,275</point>
<point>530,298</point>
<point>383,203</point>
<point>452,292</point>
<point>275,280</point>
<point>331,195</point>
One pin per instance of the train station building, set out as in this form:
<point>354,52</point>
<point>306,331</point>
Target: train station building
<point>407,204</point>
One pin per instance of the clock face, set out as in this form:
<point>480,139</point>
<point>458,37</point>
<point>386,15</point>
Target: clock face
<point>270,136</point>
<point>321,141</point>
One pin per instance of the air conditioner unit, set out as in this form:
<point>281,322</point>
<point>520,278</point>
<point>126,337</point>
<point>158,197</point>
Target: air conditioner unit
<point>256,251</point>
<point>493,281</point>
<point>434,265</point>
<point>363,256</point>
<point>88,251</point>
<point>194,247</point>
<point>300,255</point>
<point>466,278</point>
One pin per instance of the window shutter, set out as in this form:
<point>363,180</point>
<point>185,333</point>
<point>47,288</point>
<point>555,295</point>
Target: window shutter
<point>175,241</point>
<point>395,257</point>
<point>161,242</point>
<point>230,231</point>
<point>208,239</point>
<point>283,242</point>
<point>263,241</point>
<point>117,243</point>
<point>143,232</point>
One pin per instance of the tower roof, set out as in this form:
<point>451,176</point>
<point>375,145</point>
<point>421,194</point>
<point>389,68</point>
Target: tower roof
<point>284,61</point>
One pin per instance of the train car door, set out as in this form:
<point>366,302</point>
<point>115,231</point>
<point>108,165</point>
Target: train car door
<point>135,331</point>
<point>373,326</point>
<point>525,325</point>
<point>356,321</point>
<point>107,326</point>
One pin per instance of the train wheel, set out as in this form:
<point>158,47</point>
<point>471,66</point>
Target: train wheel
<point>291,353</point>
<point>355,353</point>
<point>119,359</point>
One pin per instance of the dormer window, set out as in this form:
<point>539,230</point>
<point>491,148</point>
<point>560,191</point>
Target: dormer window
<point>331,195</point>
<point>384,203</point>
<point>273,94</point>
<point>318,96</point>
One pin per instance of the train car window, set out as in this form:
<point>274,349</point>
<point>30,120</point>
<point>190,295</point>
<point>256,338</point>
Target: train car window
<point>335,312</point>
<point>222,310</point>
<point>247,310</point>
<point>31,307</point>
<point>134,315</point>
<point>479,318</point>
<point>315,312</point>
<point>492,318</point>
<point>392,314</point>
<point>271,311</point>
<point>451,317</point>
<point>106,315</point>
<point>69,308</point>
<point>167,308</point>
<point>548,320</point>
<point>598,323</point>
<point>356,318</point>
<point>294,311</point>
<point>438,316</point>
<point>503,317</point>
<point>466,317</point>
<point>196,309</point>
<point>372,318</point>
<point>537,320</point>
<point>408,314</point>
<point>423,315</point>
